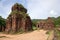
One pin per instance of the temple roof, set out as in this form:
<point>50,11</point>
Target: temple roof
<point>19,7</point>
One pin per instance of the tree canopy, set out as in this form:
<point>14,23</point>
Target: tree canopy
<point>2,21</point>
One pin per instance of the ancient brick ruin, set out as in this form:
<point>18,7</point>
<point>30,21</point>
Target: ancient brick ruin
<point>18,20</point>
<point>45,24</point>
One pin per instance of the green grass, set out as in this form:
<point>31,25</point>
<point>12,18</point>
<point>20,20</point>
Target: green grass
<point>48,32</point>
<point>58,33</point>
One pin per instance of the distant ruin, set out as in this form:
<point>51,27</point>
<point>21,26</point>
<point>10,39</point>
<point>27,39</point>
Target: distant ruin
<point>45,24</point>
<point>18,20</point>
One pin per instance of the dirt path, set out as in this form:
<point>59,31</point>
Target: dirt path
<point>35,35</point>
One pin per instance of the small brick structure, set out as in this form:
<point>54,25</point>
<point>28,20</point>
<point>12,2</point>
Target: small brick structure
<point>18,20</point>
<point>45,24</point>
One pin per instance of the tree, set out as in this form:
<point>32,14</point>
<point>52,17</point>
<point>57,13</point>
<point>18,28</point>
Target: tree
<point>2,23</point>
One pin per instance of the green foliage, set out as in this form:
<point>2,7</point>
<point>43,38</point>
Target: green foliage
<point>14,12</point>
<point>56,21</point>
<point>48,32</point>
<point>22,14</point>
<point>20,5</point>
<point>34,27</point>
<point>57,33</point>
<point>2,21</point>
<point>21,31</point>
<point>34,21</point>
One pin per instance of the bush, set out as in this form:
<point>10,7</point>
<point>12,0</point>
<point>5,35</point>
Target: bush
<point>34,27</point>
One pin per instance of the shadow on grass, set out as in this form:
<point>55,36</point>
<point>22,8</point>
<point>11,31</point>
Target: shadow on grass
<point>3,37</point>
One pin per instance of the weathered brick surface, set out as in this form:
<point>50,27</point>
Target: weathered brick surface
<point>16,21</point>
<point>45,24</point>
<point>19,8</point>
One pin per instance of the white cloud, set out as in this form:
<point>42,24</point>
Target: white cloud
<point>36,8</point>
<point>52,12</point>
<point>41,8</point>
<point>5,6</point>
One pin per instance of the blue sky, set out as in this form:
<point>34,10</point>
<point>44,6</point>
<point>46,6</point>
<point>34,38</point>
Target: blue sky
<point>37,9</point>
<point>5,6</point>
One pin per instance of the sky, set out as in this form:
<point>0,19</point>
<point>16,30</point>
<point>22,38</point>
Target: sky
<point>37,9</point>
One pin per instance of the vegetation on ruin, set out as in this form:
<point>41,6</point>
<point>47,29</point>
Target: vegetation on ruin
<point>20,9</point>
<point>20,5</point>
<point>56,21</point>
<point>22,14</point>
